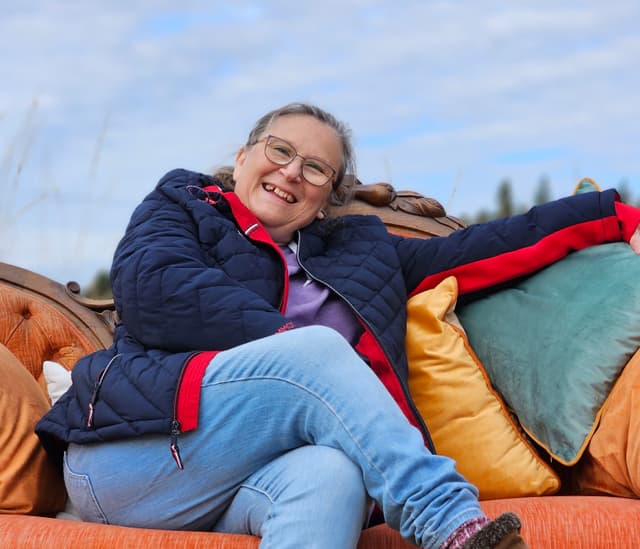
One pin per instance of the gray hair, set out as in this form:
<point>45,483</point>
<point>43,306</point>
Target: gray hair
<point>340,190</point>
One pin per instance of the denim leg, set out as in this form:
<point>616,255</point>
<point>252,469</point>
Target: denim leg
<point>258,402</point>
<point>285,502</point>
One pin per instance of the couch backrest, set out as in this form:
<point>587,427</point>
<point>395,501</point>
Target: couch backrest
<point>42,320</point>
<point>403,212</point>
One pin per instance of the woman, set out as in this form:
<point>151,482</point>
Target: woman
<point>264,344</point>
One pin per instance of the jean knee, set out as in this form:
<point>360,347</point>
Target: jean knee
<point>320,339</point>
<point>336,474</point>
<point>320,342</point>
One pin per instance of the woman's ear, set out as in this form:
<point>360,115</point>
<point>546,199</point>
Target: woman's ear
<point>241,155</point>
<point>321,214</point>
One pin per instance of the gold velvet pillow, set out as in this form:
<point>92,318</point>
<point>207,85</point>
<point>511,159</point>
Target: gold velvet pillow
<point>29,482</point>
<point>467,419</point>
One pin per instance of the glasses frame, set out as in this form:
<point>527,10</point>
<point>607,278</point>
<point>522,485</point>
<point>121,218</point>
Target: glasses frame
<point>270,138</point>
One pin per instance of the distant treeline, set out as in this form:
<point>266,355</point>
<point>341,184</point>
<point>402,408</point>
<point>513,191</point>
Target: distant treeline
<point>506,206</point>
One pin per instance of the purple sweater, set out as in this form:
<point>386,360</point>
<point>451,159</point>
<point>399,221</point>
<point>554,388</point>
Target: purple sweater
<point>311,303</point>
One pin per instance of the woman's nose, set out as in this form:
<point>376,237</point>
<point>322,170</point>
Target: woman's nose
<point>293,170</point>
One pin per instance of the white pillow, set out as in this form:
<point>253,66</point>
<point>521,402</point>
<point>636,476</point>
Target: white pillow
<point>58,379</point>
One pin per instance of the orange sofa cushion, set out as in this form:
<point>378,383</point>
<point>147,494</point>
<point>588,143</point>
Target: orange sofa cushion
<point>573,522</point>
<point>549,522</point>
<point>611,464</point>
<point>29,483</point>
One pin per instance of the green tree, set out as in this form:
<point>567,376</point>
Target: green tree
<point>543,191</point>
<point>505,199</point>
<point>100,286</point>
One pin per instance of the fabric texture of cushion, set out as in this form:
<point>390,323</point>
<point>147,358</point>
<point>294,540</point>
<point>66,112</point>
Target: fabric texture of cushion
<point>29,482</point>
<point>466,418</point>
<point>554,344</point>
<point>611,464</point>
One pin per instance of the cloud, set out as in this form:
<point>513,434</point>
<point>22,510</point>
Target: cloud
<point>444,97</point>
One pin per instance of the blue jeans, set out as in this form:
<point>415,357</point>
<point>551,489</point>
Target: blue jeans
<point>295,434</point>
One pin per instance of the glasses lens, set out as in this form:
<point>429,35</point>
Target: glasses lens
<point>316,172</point>
<point>279,152</point>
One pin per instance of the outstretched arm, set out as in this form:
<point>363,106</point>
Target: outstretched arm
<point>635,241</point>
<point>489,254</point>
<point>630,224</point>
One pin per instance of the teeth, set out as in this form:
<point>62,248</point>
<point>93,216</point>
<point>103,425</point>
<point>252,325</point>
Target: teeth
<point>279,192</point>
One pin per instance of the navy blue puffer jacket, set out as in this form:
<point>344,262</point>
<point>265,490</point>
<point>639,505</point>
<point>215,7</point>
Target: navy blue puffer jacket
<point>195,274</point>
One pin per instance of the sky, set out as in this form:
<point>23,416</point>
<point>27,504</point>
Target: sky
<point>448,98</point>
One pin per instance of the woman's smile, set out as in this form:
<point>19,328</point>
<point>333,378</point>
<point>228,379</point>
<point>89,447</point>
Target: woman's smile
<point>284,195</point>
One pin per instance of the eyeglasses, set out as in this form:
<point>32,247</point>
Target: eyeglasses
<point>281,152</point>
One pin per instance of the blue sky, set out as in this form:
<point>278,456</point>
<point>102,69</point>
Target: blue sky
<point>99,99</point>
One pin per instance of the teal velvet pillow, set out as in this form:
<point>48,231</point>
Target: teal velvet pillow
<point>554,344</point>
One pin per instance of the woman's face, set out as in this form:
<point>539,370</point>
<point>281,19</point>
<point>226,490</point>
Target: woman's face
<point>281,199</point>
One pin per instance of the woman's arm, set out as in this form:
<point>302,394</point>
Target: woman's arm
<point>488,254</point>
<point>630,224</point>
<point>169,295</point>
<point>635,241</point>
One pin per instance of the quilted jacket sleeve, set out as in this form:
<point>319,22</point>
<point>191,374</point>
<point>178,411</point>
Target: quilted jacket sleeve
<point>169,296</point>
<point>482,256</point>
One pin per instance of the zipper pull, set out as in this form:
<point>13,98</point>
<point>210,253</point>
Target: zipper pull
<point>90,416</point>
<point>92,403</point>
<point>175,449</point>
<point>96,390</point>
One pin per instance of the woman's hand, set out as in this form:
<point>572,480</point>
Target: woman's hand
<point>634,242</point>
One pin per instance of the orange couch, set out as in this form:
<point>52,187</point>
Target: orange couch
<point>43,320</point>
<point>550,522</point>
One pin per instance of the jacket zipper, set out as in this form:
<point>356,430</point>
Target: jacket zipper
<point>336,292</point>
<point>405,389</point>
<point>173,445</point>
<point>175,424</point>
<point>96,390</point>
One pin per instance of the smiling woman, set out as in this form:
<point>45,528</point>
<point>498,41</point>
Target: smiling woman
<point>278,193</point>
<point>265,343</point>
